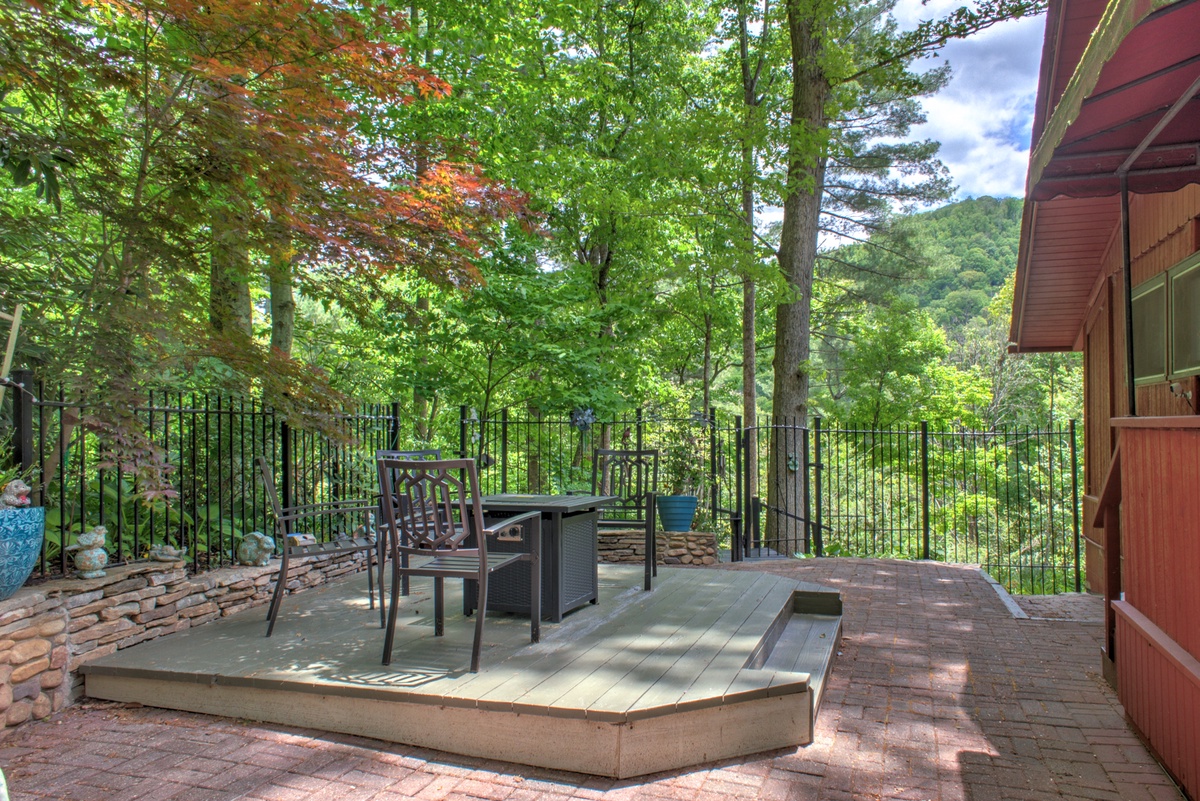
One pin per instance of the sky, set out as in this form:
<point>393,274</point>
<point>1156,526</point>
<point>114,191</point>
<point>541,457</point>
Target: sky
<point>984,116</point>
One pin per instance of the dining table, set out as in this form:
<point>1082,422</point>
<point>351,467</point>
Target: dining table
<point>569,532</point>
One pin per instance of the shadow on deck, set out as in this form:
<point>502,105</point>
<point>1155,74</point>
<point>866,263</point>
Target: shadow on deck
<point>710,665</point>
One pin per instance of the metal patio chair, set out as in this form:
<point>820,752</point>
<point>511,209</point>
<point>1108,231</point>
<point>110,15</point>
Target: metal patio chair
<point>632,475</point>
<point>442,531</point>
<point>428,454</point>
<point>305,530</point>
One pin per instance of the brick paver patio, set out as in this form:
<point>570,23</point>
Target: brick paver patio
<point>938,694</point>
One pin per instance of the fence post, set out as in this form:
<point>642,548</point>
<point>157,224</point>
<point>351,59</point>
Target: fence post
<point>804,444</point>
<point>735,517</point>
<point>1075,504</point>
<point>504,450</point>
<point>640,424</point>
<point>818,533</point>
<point>462,431</point>
<point>23,419</point>
<point>285,456</point>
<point>395,434</point>
<point>924,489</point>
<point>713,492</point>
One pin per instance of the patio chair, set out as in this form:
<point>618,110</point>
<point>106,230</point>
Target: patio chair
<point>633,476</point>
<point>443,532</point>
<point>305,530</point>
<point>416,455</point>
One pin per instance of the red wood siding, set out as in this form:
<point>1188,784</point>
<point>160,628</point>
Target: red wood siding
<point>1162,230</point>
<point>1160,689</point>
<point>1097,434</point>
<point>1156,400</point>
<point>1161,527</point>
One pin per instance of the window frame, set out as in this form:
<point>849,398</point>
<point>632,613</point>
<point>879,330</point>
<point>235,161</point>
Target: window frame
<point>1158,282</point>
<point>1186,267</point>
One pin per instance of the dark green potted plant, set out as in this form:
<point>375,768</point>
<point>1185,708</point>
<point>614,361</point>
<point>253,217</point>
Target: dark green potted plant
<point>683,477</point>
<point>21,528</point>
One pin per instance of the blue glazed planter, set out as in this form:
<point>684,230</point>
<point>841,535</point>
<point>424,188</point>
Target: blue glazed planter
<point>676,511</point>
<point>20,543</point>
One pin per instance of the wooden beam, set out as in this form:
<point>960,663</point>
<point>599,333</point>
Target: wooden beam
<point>15,319</point>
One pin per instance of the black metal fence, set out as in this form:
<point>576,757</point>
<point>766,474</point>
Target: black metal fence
<point>540,455</point>
<point>1007,500</point>
<point>210,443</point>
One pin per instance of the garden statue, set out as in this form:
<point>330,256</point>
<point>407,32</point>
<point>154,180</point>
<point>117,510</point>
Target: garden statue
<point>168,553</point>
<point>89,554</point>
<point>15,496</point>
<point>255,549</point>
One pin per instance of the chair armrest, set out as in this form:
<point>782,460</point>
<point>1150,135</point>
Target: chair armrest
<point>511,522</point>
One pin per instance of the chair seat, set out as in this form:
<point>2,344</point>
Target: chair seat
<point>468,566</point>
<point>333,547</point>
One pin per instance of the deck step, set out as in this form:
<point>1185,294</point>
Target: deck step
<point>807,644</point>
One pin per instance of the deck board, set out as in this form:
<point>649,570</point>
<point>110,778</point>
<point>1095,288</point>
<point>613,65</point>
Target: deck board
<point>672,659</point>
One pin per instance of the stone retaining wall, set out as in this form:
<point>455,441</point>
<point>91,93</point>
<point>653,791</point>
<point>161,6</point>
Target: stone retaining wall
<point>674,547</point>
<point>49,630</point>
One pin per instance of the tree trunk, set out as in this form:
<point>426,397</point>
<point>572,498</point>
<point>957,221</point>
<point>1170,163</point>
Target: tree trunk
<point>797,259</point>
<point>229,310</point>
<point>749,354</point>
<point>421,417</point>
<point>283,305</point>
<point>751,72</point>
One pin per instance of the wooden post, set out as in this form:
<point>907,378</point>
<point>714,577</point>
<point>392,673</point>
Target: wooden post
<point>11,347</point>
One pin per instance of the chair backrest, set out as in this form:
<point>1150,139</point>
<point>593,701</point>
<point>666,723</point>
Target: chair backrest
<point>433,509</point>
<point>348,517</point>
<point>630,474</point>
<point>429,454</point>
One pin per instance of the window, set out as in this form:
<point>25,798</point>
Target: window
<point>1166,324</point>
<point>1184,286</point>
<point>1150,331</point>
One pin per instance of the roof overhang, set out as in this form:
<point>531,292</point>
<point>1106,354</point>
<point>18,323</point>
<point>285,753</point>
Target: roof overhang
<point>1122,78</point>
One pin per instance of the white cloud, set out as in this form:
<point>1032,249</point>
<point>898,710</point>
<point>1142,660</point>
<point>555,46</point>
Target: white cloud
<point>983,118</point>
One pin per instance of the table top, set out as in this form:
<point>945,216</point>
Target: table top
<point>546,503</point>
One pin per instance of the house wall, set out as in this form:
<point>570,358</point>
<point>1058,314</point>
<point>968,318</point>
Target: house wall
<point>1163,232</point>
<point>1156,648</point>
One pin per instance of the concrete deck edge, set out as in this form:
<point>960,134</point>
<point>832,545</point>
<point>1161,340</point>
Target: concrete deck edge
<point>618,750</point>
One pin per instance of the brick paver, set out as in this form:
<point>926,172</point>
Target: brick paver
<point>938,694</point>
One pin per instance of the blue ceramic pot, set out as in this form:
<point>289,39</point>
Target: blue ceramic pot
<point>676,511</point>
<point>20,544</point>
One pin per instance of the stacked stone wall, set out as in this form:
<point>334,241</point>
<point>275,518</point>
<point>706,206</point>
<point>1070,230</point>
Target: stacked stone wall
<point>674,547</point>
<point>49,631</point>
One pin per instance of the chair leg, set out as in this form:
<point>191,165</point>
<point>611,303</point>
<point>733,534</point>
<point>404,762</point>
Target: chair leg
<point>535,594</point>
<point>477,647</point>
<point>439,606</point>
<point>277,596</point>
<point>371,583</point>
<point>391,618</point>
<point>651,548</point>
<point>380,559</point>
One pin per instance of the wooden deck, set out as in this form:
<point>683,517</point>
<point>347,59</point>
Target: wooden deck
<point>712,664</point>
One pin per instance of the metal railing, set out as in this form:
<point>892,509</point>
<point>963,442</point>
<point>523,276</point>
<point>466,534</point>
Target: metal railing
<point>1007,500</point>
<point>210,443</point>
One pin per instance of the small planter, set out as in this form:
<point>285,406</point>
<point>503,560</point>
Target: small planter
<point>676,511</point>
<point>20,544</point>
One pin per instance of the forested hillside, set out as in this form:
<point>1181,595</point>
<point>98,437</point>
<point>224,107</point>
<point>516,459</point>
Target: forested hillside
<point>914,325</point>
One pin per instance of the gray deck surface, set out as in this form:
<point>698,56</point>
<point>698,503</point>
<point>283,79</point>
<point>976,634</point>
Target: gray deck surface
<point>635,654</point>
